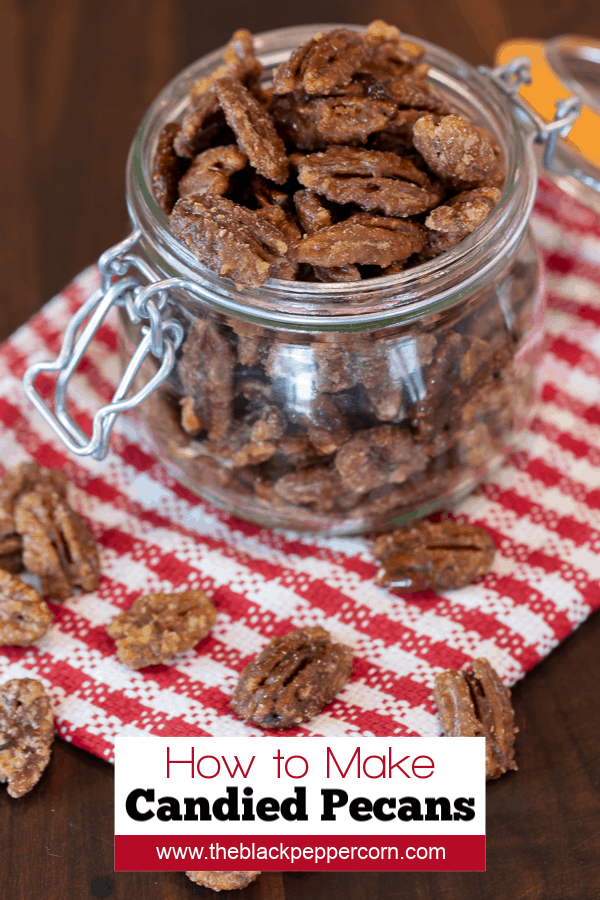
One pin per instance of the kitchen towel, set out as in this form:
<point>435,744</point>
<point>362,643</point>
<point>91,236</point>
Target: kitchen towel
<point>542,508</point>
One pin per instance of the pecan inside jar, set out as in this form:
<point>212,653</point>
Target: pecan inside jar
<point>294,677</point>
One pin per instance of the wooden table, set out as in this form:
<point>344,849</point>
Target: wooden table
<point>79,76</point>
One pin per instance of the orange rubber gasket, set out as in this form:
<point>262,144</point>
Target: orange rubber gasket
<point>545,89</point>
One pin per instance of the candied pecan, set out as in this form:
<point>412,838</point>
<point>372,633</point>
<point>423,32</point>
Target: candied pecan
<point>477,704</point>
<point>313,216</point>
<point>24,615</point>
<point>377,456</point>
<point>464,212</point>
<point>413,93</point>
<point>318,487</point>
<point>223,881</point>
<point>325,62</point>
<point>286,267</point>
<point>252,346</point>
<point>57,544</point>
<point>362,239</point>
<point>239,61</point>
<point>439,396</point>
<point>21,479</point>
<point>265,193</point>
<point>336,120</point>
<point>253,128</point>
<point>26,733</point>
<point>327,425</point>
<point>157,627</point>
<point>296,123</point>
<point>192,137</point>
<point>458,151</point>
<point>374,180</point>
<point>206,372</point>
<point>167,168</point>
<point>388,52</point>
<point>440,556</point>
<point>337,274</point>
<point>335,369</point>
<point>397,136</point>
<point>230,239</point>
<point>11,553</point>
<point>211,171</point>
<point>294,677</point>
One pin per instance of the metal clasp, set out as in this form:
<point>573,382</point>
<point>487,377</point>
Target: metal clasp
<point>161,338</point>
<point>509,78</point>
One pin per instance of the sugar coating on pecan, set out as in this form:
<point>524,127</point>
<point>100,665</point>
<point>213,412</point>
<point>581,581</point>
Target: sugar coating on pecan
<point>441,556</point>
<point>157,627</point>
<point>364,239</point>
<point>24,615</point>
<point>253,128</point>
<point>223,881</point>
<point>294,677</point>
<point>326,62</point>
<point>211,171</point>
<point>464,212</point>
<point>458,151</point>
<point>57,544</point>
<point>167,169</point>
<point>476,703</point>
<point>229,238</point>
<point>26,733</point>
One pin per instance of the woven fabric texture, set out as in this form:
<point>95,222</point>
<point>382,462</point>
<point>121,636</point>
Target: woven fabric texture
<point>542,508</point>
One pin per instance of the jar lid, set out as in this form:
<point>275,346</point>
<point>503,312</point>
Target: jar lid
<point>565,66</point>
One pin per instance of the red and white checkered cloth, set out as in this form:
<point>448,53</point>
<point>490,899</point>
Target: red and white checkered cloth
<point>542,508</point>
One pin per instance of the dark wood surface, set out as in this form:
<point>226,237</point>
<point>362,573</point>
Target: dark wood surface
<point>78,76</point>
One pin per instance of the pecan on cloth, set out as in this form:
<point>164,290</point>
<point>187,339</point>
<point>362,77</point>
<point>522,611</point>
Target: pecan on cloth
<point>477,703</point>
<point>439,556</point>
<point>294,677</point>
<point>223,881</point>
<point>157,627</point>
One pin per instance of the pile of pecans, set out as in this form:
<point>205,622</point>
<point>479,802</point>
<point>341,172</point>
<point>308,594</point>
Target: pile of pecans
<point>349,166</point>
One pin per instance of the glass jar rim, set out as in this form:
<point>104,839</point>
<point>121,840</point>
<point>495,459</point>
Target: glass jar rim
<point>424,289</point>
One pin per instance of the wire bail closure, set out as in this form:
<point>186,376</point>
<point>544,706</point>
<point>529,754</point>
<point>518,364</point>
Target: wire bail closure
<point>161,338</point>
<point>509,78</point>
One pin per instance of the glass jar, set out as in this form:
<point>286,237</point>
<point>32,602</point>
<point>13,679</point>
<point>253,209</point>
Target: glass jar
<point>342,408</point>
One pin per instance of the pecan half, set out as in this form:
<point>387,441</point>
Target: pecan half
<point>253,128</point>
<point>167,168</point>
<point>24,615</point>
<point>26,733</point>
<point>294,677</point>
<point>326,62</point>
<point>230,239</point>
<point>464,212</point>
<point>223,881</point>
<point>477,703</point>
<point>157,627</point>
<point>57,544</point>
<point>210,172</point>
<point>373,179</point>
<point>25,477</point>
<point>206,372</point>
<point>458,151</point>
<point>363,239</point>
<point>377,456</point>
<point>439,556</point>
